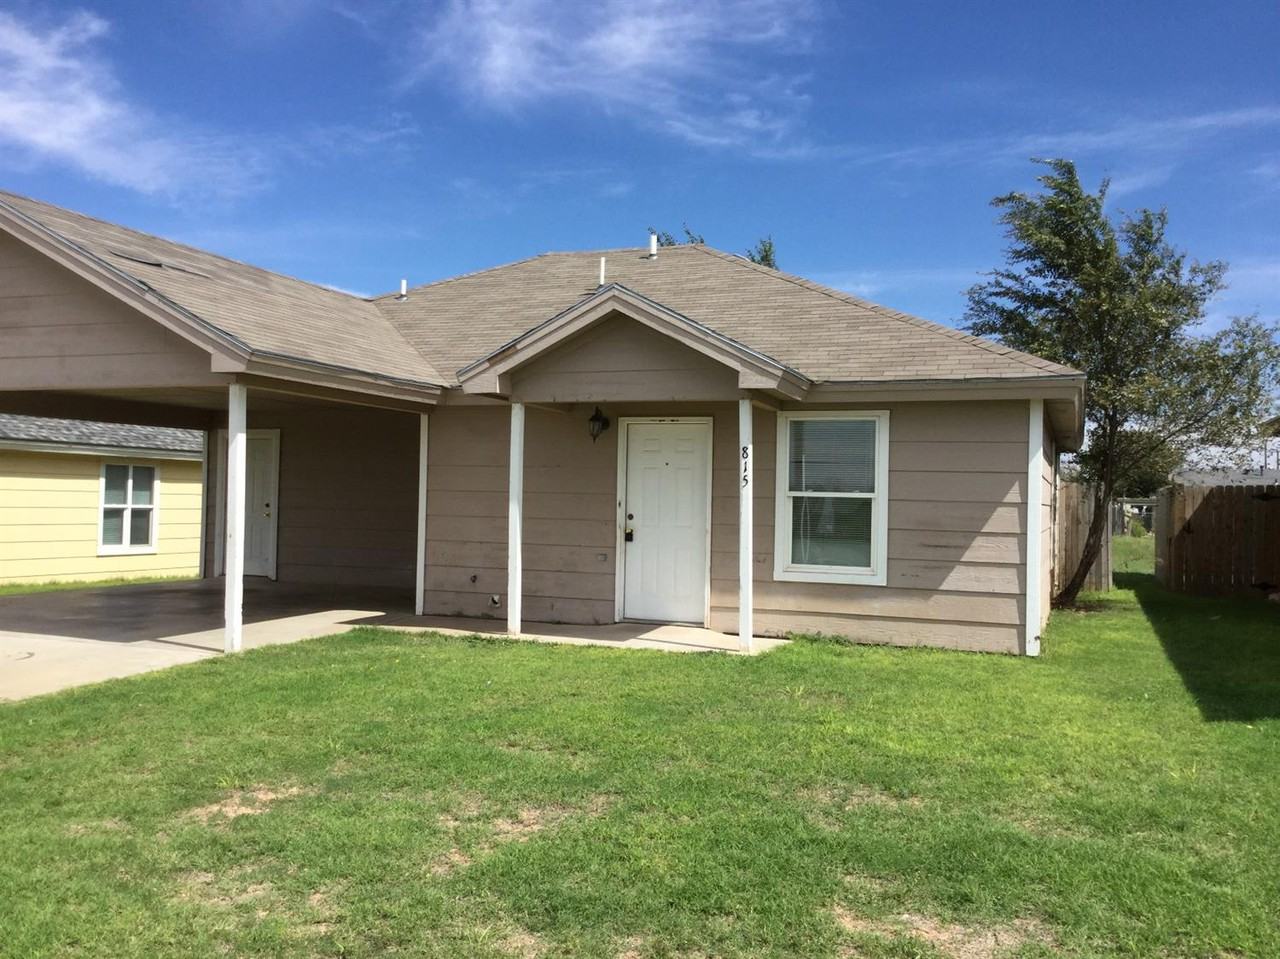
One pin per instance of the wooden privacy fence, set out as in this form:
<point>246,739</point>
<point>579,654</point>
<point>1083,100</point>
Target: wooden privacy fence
<point>1073,515</point>
<point>1219,540</point>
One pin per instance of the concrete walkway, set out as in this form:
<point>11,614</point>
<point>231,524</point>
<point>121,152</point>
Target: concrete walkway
<point>56,640</point>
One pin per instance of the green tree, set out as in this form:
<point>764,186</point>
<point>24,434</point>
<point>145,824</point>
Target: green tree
<point>666,239</point>
<point>1118,302</point>
<point>1152,461</point>
<point>763,253</point>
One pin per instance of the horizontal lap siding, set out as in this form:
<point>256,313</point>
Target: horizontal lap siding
<point>60,331</point>
<point>570,528</point>
<point>49,519</point>
<point>957,523</point>
<point>1048,468</point>
<point>348,495</point>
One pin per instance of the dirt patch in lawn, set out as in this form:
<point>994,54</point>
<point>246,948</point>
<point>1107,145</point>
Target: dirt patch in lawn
<point>97,827</point>
<point>242,802</point>
<point>522,944</point>
<point>246,888</point>
<point>824,802</point>
<point>850,797</point>
<point>527,823</point>
<point>235,887</point>
<point>952,940</point>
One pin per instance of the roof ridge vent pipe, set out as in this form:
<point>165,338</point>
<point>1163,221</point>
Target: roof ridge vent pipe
<point>404,289</point>
<point>653,246</point>
<point>602,260</point>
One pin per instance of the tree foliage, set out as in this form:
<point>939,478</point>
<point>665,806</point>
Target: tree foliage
<point>1118,302</point>
<point>1152,461</point>
<point>667,239</point>
<point>763,253</point>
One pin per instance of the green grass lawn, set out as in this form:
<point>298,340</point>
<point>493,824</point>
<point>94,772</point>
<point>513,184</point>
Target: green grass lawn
<point>1133,554</point>
<point>380,793</point>
<point>54,586</point>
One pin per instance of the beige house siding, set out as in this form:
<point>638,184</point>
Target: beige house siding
<point>570,529</point>
<point>623,360</point>
<point>957,507</point>
<point>1049,472</point>
<point>62,332</point>
<point>49,506</point>
<point>348,496</point>
<point>956,571</point>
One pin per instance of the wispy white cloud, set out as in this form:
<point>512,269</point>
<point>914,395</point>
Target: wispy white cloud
<point>689,69</point>
<point>1160,137</point>
<point>1137,180</point>
<point>1268,172</point>
<point>62,102</point>
<point>871,283</point>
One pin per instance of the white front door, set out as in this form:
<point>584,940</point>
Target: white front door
<point>262,488</point>
<point>666,511</point>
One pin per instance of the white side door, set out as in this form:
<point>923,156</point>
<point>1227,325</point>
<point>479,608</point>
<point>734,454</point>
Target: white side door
<point>262,492</point>
<point>666,511</point>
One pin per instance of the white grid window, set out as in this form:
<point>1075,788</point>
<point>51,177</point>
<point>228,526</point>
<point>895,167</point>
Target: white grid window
<point>127,517</point>
<point>832,497</point>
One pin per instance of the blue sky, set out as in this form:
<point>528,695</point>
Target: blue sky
<point>355,143</point>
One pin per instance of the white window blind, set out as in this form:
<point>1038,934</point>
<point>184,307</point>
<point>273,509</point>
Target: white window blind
<point>128,508</point>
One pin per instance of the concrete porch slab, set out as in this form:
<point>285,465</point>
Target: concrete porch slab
<point>57,640</point>
<point>666,637</point>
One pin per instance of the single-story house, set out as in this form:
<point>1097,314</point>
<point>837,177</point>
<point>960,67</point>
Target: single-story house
<point>669,435</point>
<point>84,501</point>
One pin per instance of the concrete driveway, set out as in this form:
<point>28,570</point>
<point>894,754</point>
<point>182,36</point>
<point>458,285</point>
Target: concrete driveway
<point>55,640</point>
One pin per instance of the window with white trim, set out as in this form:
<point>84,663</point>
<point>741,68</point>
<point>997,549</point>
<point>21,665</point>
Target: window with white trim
<point>832,497</point>
<point>128,511</point>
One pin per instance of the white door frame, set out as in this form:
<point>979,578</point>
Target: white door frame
<point>620,564</point>
<point>220,499</point>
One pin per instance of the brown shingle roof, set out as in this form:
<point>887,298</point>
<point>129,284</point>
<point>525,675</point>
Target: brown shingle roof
<point>823,333</point>
<point>270,313</point>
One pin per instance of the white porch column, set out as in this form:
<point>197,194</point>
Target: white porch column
<point>420,577</point>
<point>746,490</point>
<point>237,440</point>
<point>1035,496</point>
<point>515,520</point>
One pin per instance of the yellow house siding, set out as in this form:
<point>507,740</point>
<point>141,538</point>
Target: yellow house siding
<point>49,506</point>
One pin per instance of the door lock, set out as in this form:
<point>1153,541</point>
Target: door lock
<point>628,535</point>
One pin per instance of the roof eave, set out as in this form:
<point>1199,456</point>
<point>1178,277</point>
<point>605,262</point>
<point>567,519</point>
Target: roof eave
<point>93,449</point>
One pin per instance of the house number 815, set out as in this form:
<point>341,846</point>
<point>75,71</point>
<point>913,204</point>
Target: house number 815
<point>746,466</point>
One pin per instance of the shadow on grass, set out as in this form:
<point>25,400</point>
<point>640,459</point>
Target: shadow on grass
<point>1227,651</point>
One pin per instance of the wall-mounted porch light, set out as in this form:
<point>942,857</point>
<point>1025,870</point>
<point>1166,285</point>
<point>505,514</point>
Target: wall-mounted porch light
<point>597,424</point>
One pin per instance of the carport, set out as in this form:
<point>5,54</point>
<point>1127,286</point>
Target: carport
<point>315,463</point>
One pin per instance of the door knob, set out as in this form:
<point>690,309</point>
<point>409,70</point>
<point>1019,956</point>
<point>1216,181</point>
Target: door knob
<point>628,534</point>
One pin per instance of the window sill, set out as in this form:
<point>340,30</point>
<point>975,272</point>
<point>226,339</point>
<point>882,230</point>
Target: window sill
<point>126,550</point>
<point>800,574</point>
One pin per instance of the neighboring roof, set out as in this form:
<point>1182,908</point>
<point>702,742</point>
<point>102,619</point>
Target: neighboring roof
<point>823,333</point>
<point>274,315</point>
<point>1256,476</point>
<point>81,433</point>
